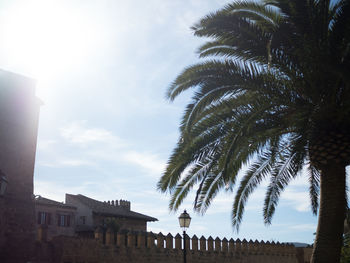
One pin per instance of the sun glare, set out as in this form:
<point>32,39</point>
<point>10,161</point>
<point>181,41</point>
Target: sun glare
<point>45,38</point>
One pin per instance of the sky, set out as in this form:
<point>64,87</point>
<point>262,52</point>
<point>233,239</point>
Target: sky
<point>102,69</point>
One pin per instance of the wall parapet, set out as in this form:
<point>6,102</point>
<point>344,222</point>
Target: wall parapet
<point>161,241</point>
<point>151,247</point>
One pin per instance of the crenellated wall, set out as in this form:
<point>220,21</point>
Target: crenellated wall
<point>121,203</point>
<point>149,247</point>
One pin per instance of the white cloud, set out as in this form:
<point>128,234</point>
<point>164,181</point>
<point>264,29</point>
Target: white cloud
<point>102,144</point>
<point>72,162</point>
<point>77,133</point>
<point>65,163</point>
<point>45,144</point>
<point>299,200</point>
<point>148,161</point>
<point>300,181</point>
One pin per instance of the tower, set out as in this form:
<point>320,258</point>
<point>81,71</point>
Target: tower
<point>19,116</point>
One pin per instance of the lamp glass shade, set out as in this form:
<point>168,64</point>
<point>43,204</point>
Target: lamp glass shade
<point>184,220</point>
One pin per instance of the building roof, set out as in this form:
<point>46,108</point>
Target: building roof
<point>104,208</point>
<point>39,200</point>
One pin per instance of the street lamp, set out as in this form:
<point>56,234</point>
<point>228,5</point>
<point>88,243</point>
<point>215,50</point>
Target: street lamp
<point>184,220</point>
<point>3,183</point>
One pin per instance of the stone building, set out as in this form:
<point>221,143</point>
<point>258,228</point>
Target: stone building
<point>59,218</point>
<point>92,213</point>
<point>81,216</point>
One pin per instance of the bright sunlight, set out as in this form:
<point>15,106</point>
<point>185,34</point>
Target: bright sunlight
<point>46,38</point>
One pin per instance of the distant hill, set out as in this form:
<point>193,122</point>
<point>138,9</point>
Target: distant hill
<point>298,244</point>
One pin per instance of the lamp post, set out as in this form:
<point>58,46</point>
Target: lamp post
<point>184,220</point>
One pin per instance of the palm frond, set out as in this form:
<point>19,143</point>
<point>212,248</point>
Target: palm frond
<point>289,164</point>
<point>253,177</point>
<point>314,190</point>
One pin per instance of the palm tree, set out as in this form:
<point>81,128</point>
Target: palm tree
<point>273,95</point>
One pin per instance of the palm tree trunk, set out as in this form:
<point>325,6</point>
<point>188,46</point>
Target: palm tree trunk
<point>331,215</point>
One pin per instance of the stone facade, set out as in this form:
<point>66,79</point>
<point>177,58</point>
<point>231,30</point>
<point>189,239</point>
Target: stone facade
<point>92,213</point>
<point>148,247</point>
<point>59,218</point>
<point>19,115</point>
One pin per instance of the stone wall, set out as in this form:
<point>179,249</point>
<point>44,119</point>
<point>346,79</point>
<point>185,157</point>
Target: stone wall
<point>148,247</point>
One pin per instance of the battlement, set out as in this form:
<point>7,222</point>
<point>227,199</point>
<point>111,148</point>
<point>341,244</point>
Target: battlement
<point>160,241</point>
<point>150,247</point>
<point>121,203</point>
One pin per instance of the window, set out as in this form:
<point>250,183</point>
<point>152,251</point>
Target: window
<point>63,220</point>
<point>44,218</point>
